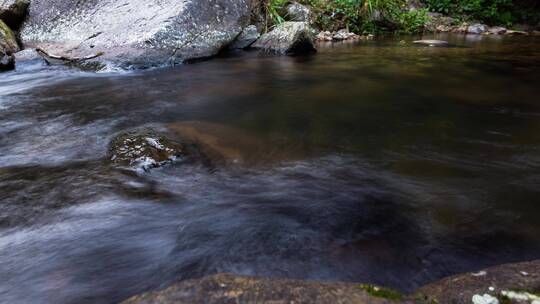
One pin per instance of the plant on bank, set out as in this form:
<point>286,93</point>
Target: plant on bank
<point>361,16</point>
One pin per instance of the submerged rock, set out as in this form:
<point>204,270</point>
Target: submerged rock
<point>298,12</point>
<point>248,36</point>
<point>13,12</point>
<point>477,28</point>
<point>432,42</point>
<point>8,46</point>
<point>135,33</point>
<point>288,38</point>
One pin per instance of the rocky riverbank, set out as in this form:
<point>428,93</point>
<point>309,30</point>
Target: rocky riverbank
<point>511,283</point>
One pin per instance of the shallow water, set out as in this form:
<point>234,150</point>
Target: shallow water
<point>375,162</point>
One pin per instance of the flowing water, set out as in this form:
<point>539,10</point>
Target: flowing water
<point>377,162</point>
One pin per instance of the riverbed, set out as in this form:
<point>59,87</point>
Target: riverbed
<point>375,161</point>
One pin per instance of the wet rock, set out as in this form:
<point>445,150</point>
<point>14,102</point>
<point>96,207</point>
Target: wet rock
<point>495,284</point>
<point>248,36</point>
<point>145,149</point>
<point>477,28</point>
<point>491,281</point>
<point>288,38</point>
<point>298,12</point>
<point>431,42</point>
<point>135,33</point>
<point>497,30</point>
<point>8,46</point>
<point>344,34</point>
<point>13,12</point>
<point>228,288</point>
<point>27,55</point>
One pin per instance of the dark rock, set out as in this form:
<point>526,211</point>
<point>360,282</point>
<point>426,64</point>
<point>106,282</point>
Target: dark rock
<point>8,46</point>
<point>146,149</point>
<point>13,12</point>
<point>298,12</point>
<point>248,36</point>
<point>477,28</point>
<point>288,38</point>
<point>135,33</point>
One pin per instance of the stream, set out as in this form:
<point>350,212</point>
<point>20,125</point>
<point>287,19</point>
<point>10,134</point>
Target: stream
<point>376,161</point>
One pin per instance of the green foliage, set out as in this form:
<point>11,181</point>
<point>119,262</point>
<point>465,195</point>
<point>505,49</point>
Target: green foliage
<point>273,9</point>
<point>361,16</point>
<point>490,11</point>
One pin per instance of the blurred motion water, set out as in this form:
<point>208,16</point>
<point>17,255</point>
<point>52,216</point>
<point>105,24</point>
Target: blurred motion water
<point>382,162</point>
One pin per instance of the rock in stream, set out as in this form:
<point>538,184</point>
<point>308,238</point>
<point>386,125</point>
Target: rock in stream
<point>135,33</point>
<point>288,38</point>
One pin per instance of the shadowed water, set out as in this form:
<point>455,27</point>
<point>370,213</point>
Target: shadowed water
<point>379,162</point>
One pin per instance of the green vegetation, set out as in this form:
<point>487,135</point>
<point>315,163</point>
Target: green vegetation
<point>375,16</point>
<point>361,16</point>
<point>499,12</point>
<point>381,292</point>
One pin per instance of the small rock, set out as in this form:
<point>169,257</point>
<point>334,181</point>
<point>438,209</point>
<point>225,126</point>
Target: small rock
<point>288,38</point>
<point>298,12</point>
<point>479,274</point>
<point>344,34</point>
<point>477,28</point>
<point>27,55</point>
<point>324,36</point>
<point>485,299</point>
<point>497,30</point>
<point>432,42</point>
<point>248,36</point>
<point>12,12</point>
<point>143,150</point>
<point>443,28</point>
<point>460,29</point>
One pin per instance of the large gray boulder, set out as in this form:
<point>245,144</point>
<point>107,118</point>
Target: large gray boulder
<point>8,46</point>
<point>288,38</point>
<point>135,33</point>
<point>12,12</point>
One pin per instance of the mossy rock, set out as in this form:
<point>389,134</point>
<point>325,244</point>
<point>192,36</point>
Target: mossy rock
<point>8,46</point>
